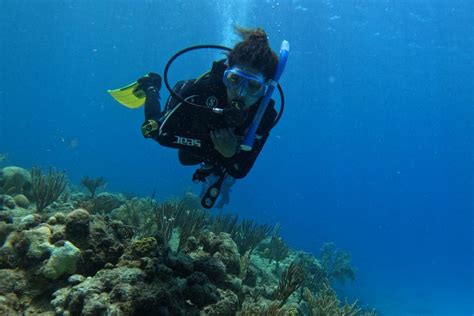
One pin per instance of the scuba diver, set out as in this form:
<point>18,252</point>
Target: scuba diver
<point>221,120</point>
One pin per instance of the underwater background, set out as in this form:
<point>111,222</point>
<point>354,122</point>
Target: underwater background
<point>374,151</point>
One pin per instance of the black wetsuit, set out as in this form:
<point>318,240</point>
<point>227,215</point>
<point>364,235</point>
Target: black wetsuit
<point>188,127</point>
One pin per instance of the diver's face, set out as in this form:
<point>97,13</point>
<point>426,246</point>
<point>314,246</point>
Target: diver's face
<point>244,84</point>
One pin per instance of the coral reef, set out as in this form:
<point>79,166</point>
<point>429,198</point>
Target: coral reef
<point>290,281</point>
<point>63,259</point>
<point>21,201</point>
<point>249,234</point>
<point>274,250</point>
<point>15,180</point>
<point>316,276</point>
<point>107,254</point>
<point>326,303</point>
<point>102,203</point>
<point>47,188</point>
<point>92,184</point>
<point>337,263</point>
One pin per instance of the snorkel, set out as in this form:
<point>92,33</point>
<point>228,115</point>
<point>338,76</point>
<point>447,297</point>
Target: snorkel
<point>250,135</point>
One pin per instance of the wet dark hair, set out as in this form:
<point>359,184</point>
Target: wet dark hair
<point>254,51</point>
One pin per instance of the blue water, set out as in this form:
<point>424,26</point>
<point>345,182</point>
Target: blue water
<point>374,152</point>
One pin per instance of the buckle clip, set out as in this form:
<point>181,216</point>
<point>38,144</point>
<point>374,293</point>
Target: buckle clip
<point>149,127</point>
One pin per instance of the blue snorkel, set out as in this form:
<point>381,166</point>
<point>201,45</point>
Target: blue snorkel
<point>250,135</point>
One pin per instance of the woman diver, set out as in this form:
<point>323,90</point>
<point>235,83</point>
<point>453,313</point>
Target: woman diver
<point>207,119</point>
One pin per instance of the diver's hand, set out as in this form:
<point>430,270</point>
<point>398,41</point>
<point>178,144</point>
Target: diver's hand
<point>225,141</point>
<point>150,80</point>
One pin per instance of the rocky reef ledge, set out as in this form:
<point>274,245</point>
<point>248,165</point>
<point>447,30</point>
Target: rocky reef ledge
<point>110,254</point>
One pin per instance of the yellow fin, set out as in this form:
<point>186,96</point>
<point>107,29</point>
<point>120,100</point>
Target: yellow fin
<point>129,96</point>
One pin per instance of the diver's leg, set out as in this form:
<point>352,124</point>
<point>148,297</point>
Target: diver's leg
<point>151,85</point>
<point>225,191</point>
<point>209,180</point>
<point>152,113</point>
<point>152,104</point>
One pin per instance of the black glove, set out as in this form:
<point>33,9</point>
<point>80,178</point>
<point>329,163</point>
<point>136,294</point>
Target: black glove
<point>150,80</point>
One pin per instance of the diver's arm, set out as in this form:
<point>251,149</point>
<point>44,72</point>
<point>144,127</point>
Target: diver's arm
<point>240,165</point>
<point>172,126</point>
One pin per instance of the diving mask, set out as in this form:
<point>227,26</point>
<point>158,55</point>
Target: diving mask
<point>254,85</point>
